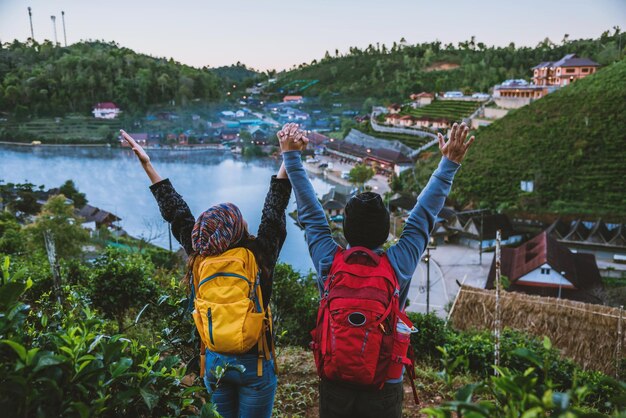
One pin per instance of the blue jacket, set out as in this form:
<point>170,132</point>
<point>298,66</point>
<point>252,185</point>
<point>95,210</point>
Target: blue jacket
<point>404,255</point>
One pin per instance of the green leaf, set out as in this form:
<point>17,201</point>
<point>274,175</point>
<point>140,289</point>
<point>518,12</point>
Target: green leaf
<point>209,410</point>
<point>19,349</point>
<point>81,408</point>
<point>48,360</point>
<point>10,293</point>
<point>465,393</point>
<point>119,367</point>
<point>547,344</point>
<point>149,397</point>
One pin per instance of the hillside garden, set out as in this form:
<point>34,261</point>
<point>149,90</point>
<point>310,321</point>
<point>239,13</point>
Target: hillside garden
<point>115,339</point>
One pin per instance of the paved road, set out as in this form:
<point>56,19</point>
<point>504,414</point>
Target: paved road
<point>449,264</point>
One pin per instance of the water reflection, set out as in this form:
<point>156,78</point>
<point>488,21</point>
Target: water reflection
<point>113,180</point>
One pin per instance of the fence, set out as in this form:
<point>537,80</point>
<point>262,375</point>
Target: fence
<point>589,334</point>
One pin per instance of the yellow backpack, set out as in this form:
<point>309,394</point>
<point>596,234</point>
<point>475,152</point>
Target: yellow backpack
<point>229,313</point>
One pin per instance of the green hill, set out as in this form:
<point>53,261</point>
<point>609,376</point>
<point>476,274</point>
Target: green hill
<point>46,80</point>
<point>572,144</point>
<point>393,72</point>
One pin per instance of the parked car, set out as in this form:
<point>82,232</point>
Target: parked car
<point>323,165</point>
<point>312,160</point>
<point>345,175</point>
<point>337,218</point>
<point>453,94</point>
<point>480,96</point>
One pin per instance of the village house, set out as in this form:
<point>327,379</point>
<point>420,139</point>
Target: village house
<point>544,267</point>
<point>564,71</point>
<point>335,201</point>
<point>392,118</point>
<point>406,120</point>
<point>105,110</point>
<point>476,228</point>
<point>422,99</point>
<point>293,99</point>
<point>394,108</point>
<point>604,239</point>
<point>98,218</point>
<point>547,77</point>
<point>140,138</point>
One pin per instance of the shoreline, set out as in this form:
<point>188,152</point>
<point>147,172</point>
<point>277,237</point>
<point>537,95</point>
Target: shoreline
<point>200,147</point>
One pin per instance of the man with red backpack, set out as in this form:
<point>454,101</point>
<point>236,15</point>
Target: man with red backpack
<point>362,335</point>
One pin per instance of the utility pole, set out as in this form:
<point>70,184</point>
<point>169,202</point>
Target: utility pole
<point>497,313</point>
<point>480,241</point>
<point>64,34</point>
<point>30,17</point>
<point>427,280</point>
<point>54,264</point>
<point>54,27</point>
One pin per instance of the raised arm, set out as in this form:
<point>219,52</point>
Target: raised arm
<point>172,206</point>
<point>310,212</point>
<point>407,252</point>
<point>272,230</point>
<point>143,158</point>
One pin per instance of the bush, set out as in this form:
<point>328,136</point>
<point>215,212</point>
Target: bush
<point>64,364</point>
<point>431,333</point>
<point>121,281</point>
<point>294,304</point>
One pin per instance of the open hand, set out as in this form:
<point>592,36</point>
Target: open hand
<point>137,149</point>
<point>456,147</point>
<point>291,138</point>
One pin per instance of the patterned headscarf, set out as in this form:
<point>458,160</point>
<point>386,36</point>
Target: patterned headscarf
<point>217,229</point>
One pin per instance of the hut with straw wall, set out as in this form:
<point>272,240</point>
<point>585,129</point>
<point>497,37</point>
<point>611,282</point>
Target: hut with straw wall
<point>592,335</point>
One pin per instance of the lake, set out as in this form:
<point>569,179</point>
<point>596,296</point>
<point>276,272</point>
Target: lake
<point>112,179</point>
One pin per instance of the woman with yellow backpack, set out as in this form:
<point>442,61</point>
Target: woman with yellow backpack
<point>230,277</point>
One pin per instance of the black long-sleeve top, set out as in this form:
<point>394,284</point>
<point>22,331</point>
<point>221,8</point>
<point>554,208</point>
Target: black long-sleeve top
<point>265,247</point>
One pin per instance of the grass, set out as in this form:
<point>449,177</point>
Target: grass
<point>297,395</point>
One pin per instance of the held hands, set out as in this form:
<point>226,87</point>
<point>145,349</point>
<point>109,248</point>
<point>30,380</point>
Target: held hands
<point>291,138</point>
<point>456,147</point>
<point>137,149</point>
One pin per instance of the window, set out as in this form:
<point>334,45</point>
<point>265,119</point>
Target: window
<point>570,70</point>
<point>585,70</point>
<point>545,271</point>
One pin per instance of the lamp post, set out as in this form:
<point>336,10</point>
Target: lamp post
<point>431,246</point>
<point>560,282</point>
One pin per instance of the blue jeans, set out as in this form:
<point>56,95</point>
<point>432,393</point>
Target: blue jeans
<point>241,395</point>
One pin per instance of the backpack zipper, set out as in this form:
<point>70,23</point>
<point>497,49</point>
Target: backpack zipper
<point>210,318</point>
<point>223,275</point>
<point>367,333</point>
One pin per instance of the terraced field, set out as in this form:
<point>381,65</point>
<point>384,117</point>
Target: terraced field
<point>452,110</point>
<point>69,128</point>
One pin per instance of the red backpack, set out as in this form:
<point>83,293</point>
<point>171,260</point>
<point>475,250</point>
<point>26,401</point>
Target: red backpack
<point>356,339</point>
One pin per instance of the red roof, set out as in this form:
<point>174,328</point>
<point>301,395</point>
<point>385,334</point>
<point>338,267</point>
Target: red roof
<point>316,138</point>
<point>291,98</point>
<point>407,117</point>
<point>393,116</point>
<point>424,94</point>
<point>580,269</point>
<point>106,105</point>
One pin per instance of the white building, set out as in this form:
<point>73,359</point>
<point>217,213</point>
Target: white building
<point>105,110</point>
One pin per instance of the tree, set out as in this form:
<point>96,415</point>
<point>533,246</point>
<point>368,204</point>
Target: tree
<point>57,216</point>
<point>71,192</point>
<point>121,281</point>
<point>360,175</point>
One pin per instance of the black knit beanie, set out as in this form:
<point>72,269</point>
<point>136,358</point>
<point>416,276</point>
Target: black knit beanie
<point>366,221</point>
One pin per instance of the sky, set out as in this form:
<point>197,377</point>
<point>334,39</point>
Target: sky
<point>277,34</point>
